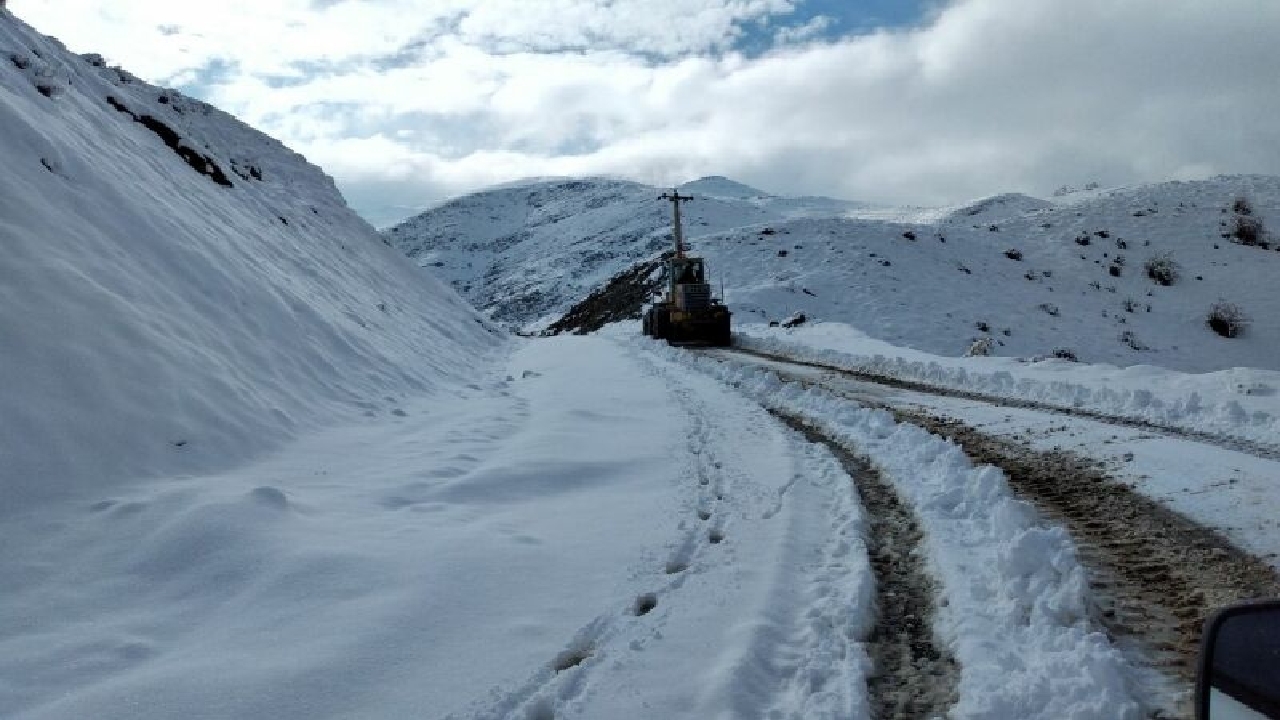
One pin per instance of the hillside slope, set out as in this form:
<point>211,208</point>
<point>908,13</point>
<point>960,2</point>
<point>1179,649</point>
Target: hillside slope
<point>1031,275</point>
<point>179,290</point>
<point>524,253</point>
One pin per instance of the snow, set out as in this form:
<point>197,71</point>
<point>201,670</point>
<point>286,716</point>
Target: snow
<point>1229,490</point>
<point>1233,403</point>
<point>1014,602</point>
<point>719,186</point>
<point>1031,275</point>
<point>445,559</point>
<point>1005,206</point>
<point>525,252</point>
<point>255,463</point>
<point>157,322</point>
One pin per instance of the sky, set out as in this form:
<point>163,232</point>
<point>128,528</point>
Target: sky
<point>407,103</point>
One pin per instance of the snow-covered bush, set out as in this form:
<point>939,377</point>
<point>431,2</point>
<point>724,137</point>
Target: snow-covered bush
<point>1227,319</point>
<point>1162,268</point>
<point>1247,228</point>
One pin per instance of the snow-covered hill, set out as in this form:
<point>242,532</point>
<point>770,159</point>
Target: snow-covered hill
<point>180,291</point>
<point>1032,275</point>
<point>526,252</point>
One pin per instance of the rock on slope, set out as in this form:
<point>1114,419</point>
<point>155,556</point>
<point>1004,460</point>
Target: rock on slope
<point>1032,275</point>
<point>179,290</point>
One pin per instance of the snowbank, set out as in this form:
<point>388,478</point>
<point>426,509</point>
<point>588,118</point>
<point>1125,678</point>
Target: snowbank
<point>179,291</point>
<point>1239,402</point>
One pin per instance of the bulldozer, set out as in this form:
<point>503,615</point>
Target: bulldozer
<point>687,314</point>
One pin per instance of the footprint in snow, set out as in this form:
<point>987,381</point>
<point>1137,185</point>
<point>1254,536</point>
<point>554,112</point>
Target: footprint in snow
<point>268,496</point>
<point>645,603</point>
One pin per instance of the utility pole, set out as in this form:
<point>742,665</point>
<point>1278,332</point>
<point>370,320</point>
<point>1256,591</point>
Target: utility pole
<point>676,198</point>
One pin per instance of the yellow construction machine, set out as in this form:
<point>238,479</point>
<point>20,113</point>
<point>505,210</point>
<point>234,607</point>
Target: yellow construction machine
<point>687,314</point>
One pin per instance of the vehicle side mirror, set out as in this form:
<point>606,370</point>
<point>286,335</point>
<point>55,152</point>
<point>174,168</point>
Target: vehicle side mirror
<point>1239,676</point>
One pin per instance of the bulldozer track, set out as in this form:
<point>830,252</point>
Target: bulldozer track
<point>1155,575</point>
<point>915,676</point>
<point>1257,449</point>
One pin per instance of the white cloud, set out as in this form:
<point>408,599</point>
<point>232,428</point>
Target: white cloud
<point>401,99</point>
<point>791,34</point>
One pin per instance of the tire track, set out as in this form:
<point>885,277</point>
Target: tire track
<point>1155,574</point>
<point>1257,449</point>
<point>914,676</point>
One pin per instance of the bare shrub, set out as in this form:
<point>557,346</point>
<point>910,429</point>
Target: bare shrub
<point>1227,319</point>
<point>1248,230</point>
<point>1128,338</point>
<point>1163,269</point>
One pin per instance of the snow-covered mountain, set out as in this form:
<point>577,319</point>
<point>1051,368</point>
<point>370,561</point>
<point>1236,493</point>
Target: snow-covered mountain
<point>525,252</point>
<point>180,291</point>
<point>1032,275</point>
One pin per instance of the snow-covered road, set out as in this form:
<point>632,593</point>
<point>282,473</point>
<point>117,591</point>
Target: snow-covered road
<point>597,527</point>
<point>1169,524</point>
<point>587,532</point>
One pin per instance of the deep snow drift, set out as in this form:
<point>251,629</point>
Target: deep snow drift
<point>1032,276</point>
<point>179,291</point>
